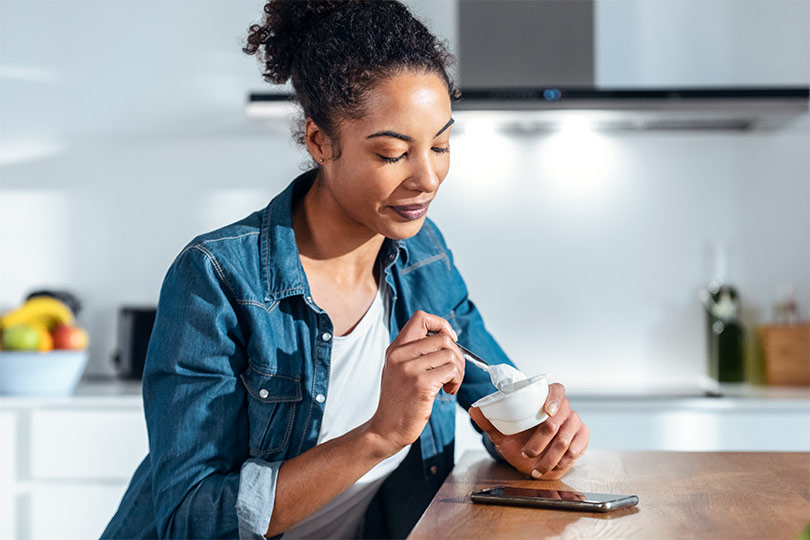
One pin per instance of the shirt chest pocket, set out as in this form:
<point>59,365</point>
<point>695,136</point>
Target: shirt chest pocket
<point>272,402</point>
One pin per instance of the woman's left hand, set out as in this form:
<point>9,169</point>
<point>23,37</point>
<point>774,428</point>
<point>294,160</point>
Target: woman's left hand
<point>545,451</point>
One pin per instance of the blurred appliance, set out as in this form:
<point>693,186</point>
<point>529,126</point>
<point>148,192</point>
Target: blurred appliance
<point>134,330</point>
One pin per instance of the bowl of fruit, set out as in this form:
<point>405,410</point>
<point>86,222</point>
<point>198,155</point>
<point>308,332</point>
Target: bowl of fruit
<point>43,352</point>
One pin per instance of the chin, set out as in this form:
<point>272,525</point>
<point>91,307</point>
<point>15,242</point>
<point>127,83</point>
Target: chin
<point>403,231</point>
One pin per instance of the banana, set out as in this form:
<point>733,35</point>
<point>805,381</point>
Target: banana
<point>40,309</point>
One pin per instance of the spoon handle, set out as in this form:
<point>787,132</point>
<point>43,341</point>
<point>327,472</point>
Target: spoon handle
<point>469,355</point>
<point>474,358</point>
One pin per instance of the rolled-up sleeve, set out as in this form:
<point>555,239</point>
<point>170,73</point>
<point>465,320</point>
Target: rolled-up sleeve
<point>254,504</point>
<point>204,483</point>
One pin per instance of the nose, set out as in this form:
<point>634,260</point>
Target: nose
<point>424,175</point>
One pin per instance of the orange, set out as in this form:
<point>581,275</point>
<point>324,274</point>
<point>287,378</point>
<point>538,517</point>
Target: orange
<point>45,338</point>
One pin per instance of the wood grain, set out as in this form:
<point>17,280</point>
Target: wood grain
<point>681,495</point>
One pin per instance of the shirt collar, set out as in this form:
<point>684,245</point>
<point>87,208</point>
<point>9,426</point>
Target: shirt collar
<point>281,267</point>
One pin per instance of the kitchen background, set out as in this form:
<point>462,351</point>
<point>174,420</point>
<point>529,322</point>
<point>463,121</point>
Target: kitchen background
<point>124,133</point>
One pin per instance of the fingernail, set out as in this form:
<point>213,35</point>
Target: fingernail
<point>524,455</point>
<point>536,474</point>
<point>552,407</point>
<point>455,336</point>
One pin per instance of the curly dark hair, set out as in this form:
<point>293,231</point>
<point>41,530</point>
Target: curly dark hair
<point>336,51</point>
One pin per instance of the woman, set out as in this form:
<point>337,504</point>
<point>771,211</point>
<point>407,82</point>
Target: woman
<point>276,400</point>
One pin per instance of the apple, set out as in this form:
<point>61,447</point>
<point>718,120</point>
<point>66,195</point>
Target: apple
<point>68,336</point>
<point>21,337</point>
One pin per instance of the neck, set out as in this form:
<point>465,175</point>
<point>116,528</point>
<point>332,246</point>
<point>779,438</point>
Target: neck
<point>327,237</point>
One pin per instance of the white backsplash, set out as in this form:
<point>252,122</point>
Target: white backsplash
<point>598,282</point>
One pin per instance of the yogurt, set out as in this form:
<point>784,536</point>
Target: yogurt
<point>506,378</point>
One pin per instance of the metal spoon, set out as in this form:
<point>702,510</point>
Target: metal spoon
<point>477,361</point>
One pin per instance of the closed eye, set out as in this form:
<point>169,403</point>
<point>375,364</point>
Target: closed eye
<point>437,149</point>
<point>392,159</point>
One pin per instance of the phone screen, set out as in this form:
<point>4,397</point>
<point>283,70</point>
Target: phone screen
<point>556,494</point>
<point>554,498</point>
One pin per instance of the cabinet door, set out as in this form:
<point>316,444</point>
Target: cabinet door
<point>71,511</point>
<point>647,425</point>
<point>87,444</point>
<point>8,465</point>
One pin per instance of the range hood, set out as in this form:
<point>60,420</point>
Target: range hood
<point>536,109</point>
<point>534,63</point>
<point>530,66</point>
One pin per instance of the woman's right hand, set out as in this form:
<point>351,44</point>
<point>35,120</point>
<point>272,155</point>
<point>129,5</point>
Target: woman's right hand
<point>416,367</point>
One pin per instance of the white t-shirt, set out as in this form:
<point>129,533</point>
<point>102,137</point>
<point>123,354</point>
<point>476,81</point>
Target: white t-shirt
<point>354,392</point>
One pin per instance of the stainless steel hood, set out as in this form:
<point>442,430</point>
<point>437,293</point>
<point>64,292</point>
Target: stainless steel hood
<point>534,63</point>
<point>535,109</point>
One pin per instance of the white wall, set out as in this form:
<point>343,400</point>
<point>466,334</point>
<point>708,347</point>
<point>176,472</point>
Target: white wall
<point>586,254</point>
<point>123,135</point>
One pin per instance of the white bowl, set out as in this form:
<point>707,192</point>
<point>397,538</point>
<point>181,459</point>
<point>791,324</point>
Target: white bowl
<point>519,410</point>
<point>33,373</point>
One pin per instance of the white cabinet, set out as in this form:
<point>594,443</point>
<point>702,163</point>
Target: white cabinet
<point>78,443</point>
<point>697,424</point>
<point>8,465</point>
<point>65,463</point>
<point>772,421</point>
<point>79,509</point>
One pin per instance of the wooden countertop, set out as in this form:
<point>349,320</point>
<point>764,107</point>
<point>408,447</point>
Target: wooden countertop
<point>681,495</point>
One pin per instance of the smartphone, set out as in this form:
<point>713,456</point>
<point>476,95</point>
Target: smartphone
<point>553,498</point>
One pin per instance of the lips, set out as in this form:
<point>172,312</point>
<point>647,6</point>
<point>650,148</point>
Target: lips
<point>411,211</point>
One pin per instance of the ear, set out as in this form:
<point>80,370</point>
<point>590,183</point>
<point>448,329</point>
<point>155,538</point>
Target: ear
<point>318,143</point>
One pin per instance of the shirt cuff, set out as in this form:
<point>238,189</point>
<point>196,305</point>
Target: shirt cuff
<point>257,494</point>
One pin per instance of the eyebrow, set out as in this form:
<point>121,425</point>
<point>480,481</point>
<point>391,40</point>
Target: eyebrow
<point>406,138</point>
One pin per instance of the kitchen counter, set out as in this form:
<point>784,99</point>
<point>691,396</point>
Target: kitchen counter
<point>681,494</point>
<point>90,392</point>
<point>114,392</point>
<point>731,395</point>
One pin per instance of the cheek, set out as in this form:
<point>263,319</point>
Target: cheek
<point>443,169</point>
<point>368,190</point>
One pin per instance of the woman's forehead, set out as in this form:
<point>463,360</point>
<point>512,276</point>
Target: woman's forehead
<point>419,104</point>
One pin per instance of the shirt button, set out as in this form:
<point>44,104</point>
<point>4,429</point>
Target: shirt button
<point>320,398</point>
<point>326,336</point>
<point>434,469</point>
<point>263,393</point>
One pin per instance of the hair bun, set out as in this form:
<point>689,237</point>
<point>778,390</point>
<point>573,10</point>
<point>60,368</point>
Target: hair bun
<point>285,27</point>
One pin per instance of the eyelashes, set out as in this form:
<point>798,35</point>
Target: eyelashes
<point>438,150</point>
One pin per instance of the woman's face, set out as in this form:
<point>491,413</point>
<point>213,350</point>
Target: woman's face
<point>394,159</point>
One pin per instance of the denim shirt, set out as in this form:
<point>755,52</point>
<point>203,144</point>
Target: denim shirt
<point>237,371</point>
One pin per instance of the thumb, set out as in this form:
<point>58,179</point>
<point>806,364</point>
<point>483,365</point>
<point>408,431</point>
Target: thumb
<point>479,418</point>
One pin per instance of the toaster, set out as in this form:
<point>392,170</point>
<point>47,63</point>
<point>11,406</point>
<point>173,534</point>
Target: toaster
<point>134,330</point>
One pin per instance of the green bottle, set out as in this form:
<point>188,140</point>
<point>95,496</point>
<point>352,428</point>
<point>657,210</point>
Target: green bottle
<point>725,334</point>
